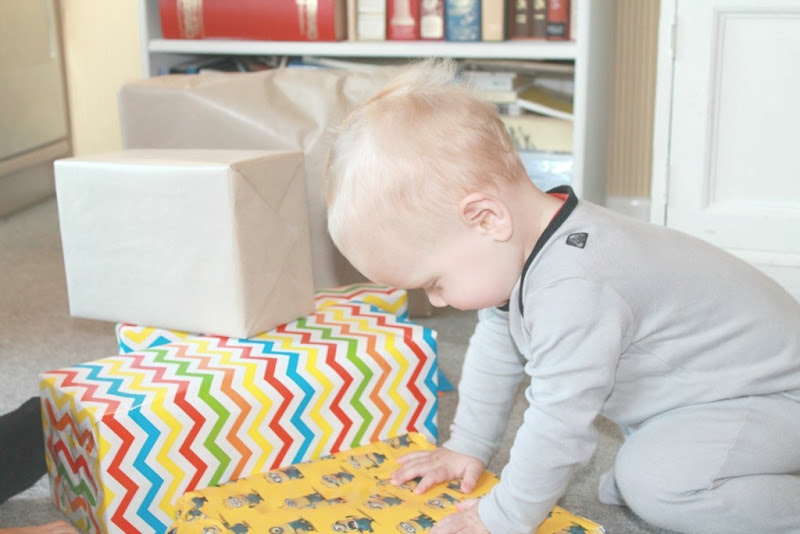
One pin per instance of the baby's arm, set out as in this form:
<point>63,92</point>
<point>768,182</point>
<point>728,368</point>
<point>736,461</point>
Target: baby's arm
<point>492,372</point>
<point>576,339</point>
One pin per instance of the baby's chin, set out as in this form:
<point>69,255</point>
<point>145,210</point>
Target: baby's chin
<point>476,307</point>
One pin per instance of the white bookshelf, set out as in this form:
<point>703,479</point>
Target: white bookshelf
<point>592,52</point>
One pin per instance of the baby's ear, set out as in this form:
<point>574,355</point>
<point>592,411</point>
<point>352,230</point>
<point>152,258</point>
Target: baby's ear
<point>487,215</point>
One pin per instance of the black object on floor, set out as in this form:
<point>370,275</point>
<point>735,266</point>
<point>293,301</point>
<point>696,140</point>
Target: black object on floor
<point>22,461</point>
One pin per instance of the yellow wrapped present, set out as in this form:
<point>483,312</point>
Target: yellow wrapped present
<point>345,492</point>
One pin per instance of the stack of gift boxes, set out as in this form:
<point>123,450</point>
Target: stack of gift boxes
<point>230,362</point>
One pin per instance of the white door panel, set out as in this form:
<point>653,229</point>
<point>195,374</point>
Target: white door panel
<point>734,156</point>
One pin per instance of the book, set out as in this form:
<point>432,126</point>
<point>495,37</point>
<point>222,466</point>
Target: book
<point>558,20</point>
<point>277,20</point>
<point>195,65</point>
<point>520,13</point>
<point>493,20</point>
<point>522,66</point>
<point>225,64</point>
<point>402,20</point>
<point>557,83</point>
<point>370,20</point>
<point>335,63</point>
<point>538,19</point>
<point>547,102</point>
<point>547,170</point>
<point>431,20</point>
<point>349,491</point>
<point>573,19</point>
<point>539,133</point>
<point>351,20</point>
<point>500,87</point>
<point>493,80</point>
<point>497,96</point>
<point>462,20</point>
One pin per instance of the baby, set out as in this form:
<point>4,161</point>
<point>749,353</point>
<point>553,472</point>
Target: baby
<point>692,352</point>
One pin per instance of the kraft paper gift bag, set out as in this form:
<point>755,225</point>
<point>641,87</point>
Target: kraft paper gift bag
<point>285,109</point>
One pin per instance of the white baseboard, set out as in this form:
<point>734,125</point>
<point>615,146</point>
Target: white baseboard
<point>636,207</point>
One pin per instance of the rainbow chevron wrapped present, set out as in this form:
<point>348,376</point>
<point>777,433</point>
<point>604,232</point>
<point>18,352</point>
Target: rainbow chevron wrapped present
<point>390,299</point>
<point>127,435</point>
<point>135,337</point>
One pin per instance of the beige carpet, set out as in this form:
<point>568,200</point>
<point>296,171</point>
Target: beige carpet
<point>37,334</point>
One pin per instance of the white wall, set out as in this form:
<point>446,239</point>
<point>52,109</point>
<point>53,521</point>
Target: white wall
<point>101,53</point>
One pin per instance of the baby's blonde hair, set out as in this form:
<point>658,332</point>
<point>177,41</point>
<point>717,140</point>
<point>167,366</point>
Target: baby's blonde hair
<point>415,149</point>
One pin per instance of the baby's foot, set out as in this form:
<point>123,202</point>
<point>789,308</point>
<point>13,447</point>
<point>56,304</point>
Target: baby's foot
<point>56,527</point>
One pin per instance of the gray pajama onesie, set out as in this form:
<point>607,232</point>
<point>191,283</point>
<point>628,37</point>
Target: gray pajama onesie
<point>692,352</point>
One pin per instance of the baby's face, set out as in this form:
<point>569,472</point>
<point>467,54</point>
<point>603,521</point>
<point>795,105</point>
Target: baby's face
<point>458,267</point>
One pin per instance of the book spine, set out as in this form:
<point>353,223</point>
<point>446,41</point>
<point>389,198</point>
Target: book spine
<point>179,20</point>
<point>277,20</point>
<point>558,20</point>
<point>431,20</point>
<point>371,20</point>
<point>493,21</point>
<point>534,132</point>
<point>538,19</point>
<point>351,20</point>
<point>462,20</point>
<point>402,22</point>
<point>573,19</point>
<point>520,13</point>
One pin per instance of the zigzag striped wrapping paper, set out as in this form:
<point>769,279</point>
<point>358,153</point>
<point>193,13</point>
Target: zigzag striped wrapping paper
<point>134,337</point>
<point>127,435</point>
<point>390,299</point>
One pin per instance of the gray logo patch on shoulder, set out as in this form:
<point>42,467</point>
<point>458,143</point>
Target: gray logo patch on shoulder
<point>577,240</point>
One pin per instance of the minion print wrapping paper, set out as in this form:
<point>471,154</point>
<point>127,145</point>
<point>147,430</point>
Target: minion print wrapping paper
<point>345,492</point>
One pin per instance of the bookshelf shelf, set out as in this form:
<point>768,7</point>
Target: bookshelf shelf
<point>591,52</point>
<point>542,50</point>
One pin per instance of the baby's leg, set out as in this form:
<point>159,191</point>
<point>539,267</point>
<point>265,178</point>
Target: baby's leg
<point>728,466</point>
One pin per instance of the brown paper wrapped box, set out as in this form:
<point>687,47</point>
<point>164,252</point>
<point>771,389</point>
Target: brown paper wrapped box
<point>212,241</point>
<point>288,109</point>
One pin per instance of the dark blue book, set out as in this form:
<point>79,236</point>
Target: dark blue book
<point>462,20</point>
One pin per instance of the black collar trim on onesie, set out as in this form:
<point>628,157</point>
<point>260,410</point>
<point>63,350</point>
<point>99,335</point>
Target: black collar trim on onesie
<point>563,213</point>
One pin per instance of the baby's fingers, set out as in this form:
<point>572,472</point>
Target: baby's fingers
<point>428,474</point>
<point>472,472</point>
<point>463,506</point>
<point>407,472</point>
<point>431,477</point>
<point>414,466</point>
<point>413,456</point>
<point>452,524</point>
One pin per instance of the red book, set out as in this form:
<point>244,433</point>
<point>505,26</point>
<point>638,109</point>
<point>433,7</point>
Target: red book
<point>275,20</point>
<point>558,20</point>
<point>402,20</point>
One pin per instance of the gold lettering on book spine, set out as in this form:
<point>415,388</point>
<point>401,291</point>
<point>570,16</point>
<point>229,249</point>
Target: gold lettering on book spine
<point>540,9</point>
<point>190,18</point>
<point>307,12</point>
<point>521,15</point>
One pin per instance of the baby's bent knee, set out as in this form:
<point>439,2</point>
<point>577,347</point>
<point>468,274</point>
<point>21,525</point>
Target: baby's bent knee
<point>660,486</point>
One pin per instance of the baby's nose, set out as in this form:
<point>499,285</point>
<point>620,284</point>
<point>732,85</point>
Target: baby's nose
<point>435,299</point>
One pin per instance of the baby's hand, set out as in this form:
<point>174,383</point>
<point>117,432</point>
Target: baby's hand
<point>440,465</point>
<point>465,521</point>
